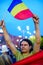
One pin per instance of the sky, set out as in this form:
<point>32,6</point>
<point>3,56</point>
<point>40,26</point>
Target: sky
<point>22,27</point>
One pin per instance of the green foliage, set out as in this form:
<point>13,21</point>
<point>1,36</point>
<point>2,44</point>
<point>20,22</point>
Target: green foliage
<point>32,38</point>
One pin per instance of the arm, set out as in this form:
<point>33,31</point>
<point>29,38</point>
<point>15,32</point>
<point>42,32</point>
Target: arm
<point>7,38</point>
<point>37,35</point>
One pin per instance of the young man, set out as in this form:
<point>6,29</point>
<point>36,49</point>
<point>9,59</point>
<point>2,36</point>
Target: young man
<point>25,44</point>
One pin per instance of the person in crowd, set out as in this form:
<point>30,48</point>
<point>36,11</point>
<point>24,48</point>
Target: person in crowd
<point>5,59</point>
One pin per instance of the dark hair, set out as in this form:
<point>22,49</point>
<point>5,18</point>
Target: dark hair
<point>29,42</point>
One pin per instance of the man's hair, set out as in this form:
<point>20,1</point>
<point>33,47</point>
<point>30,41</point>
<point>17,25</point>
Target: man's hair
<point>29,42</point>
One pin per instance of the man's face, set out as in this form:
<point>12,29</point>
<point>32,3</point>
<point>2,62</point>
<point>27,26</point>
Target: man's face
<point>25,47</point>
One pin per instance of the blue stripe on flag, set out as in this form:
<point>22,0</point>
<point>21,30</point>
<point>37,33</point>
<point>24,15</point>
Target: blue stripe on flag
<point>13,4</point>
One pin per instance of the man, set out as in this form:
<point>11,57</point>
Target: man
<point>25,44</point>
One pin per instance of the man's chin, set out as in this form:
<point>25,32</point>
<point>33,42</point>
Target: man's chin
<point>23,51</point>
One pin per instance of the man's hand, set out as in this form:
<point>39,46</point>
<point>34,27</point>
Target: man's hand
<point>2,23</point>
<point>35,19</point>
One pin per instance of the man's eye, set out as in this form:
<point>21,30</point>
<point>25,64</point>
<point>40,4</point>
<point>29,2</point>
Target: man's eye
<point>24,45</point>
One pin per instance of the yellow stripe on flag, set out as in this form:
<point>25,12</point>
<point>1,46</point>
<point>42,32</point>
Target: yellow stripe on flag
<point>18,8</point>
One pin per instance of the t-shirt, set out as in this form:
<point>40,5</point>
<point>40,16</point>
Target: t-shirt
<point>19,56</point>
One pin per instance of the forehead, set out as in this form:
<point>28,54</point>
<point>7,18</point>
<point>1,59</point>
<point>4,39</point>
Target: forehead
<point>24,42</point>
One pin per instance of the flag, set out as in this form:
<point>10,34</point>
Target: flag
<point>19,10</point>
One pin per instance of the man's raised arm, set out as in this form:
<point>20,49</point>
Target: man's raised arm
<point>7,38</point>
<point>37,34</point>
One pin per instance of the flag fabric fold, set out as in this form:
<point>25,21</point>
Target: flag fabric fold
<point>19,10</point>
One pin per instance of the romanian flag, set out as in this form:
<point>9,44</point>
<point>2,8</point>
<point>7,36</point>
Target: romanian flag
<point>19,10</point>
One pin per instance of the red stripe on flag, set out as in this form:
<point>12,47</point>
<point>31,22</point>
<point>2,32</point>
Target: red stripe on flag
<point>24,14</point>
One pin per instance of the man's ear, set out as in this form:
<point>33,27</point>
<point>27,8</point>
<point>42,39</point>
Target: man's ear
<point>30,47</point>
